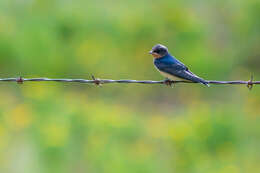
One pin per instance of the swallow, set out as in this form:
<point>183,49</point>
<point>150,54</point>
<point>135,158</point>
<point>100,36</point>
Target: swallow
<point>171,68</point>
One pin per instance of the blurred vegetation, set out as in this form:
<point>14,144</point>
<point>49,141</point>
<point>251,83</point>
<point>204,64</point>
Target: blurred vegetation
<point>50,127</point>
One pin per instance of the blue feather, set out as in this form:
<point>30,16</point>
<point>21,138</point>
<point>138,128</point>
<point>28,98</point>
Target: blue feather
<point>171,66</point>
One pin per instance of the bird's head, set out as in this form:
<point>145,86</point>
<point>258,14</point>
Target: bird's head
<point>159,51</point>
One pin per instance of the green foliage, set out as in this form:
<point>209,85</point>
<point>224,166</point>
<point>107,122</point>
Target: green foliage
<point>50,127</point>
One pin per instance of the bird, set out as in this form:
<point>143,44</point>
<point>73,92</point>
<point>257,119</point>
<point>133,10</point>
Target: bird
<point>171,68</point>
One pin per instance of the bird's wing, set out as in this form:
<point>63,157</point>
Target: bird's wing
<point>179,70</point>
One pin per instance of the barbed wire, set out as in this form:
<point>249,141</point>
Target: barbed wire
<point>21,80</point>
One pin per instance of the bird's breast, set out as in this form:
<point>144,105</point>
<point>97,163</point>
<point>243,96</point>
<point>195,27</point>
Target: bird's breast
<point>169,76</point>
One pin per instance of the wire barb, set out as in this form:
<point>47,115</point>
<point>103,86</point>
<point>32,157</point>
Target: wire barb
<point>96,81</point>
<point>19,80</point>
<point>250,83</point>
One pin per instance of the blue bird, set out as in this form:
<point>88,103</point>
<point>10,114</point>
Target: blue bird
<point>171,68</point>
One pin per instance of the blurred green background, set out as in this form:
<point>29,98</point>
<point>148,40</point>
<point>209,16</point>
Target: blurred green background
<point>130,128</point>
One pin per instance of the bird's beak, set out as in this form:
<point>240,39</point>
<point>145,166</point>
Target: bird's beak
<point>151,52</point>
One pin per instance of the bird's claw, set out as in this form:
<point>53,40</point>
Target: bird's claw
<point>168,82</point>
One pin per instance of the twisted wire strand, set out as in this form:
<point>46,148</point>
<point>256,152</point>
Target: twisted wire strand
<point>97,81</point>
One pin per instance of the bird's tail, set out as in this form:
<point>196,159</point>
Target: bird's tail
<point>204,82</point>
<point>195,78</point>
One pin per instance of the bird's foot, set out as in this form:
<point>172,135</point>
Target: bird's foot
<point>168,82</point>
